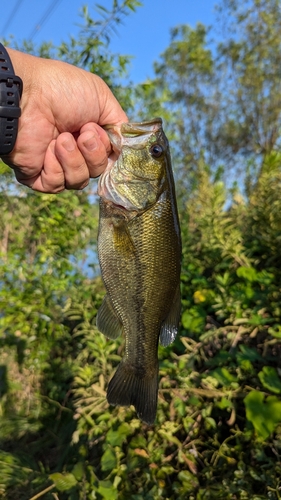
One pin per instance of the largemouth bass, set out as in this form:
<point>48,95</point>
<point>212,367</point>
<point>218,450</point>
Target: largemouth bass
<point>139,249</point>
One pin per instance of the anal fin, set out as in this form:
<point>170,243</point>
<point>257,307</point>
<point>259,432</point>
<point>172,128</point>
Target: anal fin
<point>107,320</point>
<point>170,326</point>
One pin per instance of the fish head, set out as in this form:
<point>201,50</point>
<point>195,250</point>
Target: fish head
<point>136,179</point>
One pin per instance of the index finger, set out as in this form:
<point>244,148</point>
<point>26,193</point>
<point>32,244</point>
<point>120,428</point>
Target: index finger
<point>110,112</point>
<point>100,132</point>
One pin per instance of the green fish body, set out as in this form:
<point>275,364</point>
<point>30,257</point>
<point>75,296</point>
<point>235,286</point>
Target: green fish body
<point>139,248</point>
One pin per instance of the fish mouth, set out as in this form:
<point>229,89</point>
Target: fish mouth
<point>141,128</point>
<point>133,134</point>
<point>136,128</point>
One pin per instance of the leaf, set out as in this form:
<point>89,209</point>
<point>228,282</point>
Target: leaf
<point>185,476</point>
<point>170,438</point>
<point>141,453</point>
<point>223,376</point>
<point>264,415</point>
<point>247,353</point>
<point>193,319</point>
<point>221,358</point>
<point>63,482</point>
<point>248,273</point>
<point>117,437</point>
<point>189,482</point>
<point>210,423</point>
<point>138,441</point>
<point>78,471</point>
<point>107,490</point>
<point>270,379</point>
<point>224,404</point>
<point>189,462</point>
<point>108,460</point>
<point>257,320</point>
<point>275,331</point>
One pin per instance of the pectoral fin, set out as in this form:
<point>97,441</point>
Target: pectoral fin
<point>122,240</point>
<point>169,328</point>
<point>107,321</point>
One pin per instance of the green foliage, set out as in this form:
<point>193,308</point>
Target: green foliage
<point>182,94</point>
<point>251,56</point>
<point>218,428</point>
<point>218,424</point>
<point>220,96</point>
<point>264,415</point>
<point>63,482</point>
<point>270,379</point>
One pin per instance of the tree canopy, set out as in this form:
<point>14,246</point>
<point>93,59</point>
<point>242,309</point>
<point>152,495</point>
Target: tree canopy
<point>217,433</point>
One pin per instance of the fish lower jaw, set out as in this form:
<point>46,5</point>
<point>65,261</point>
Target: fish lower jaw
<point>119,210</point>
<point>118,203</point>
<point>107,191</point>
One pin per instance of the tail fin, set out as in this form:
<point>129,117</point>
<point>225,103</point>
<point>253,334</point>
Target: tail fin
<point>129,388</point>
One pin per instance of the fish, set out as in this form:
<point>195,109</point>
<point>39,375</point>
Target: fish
<point>139,251</point>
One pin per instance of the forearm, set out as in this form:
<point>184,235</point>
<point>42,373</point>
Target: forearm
<point>23,66</point>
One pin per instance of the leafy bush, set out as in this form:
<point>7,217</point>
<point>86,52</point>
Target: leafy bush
<point>218,428</point>
<point>217,433</point>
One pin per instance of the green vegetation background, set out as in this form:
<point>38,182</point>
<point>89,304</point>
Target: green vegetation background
<point>218,428</point>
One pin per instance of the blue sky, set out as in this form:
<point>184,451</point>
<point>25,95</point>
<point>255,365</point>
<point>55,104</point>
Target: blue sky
<point>144,34</point>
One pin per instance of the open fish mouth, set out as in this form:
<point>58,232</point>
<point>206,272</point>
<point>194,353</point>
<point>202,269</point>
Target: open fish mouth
<point>137,127</point>
<point>147,127</point>
<point>120,135</point>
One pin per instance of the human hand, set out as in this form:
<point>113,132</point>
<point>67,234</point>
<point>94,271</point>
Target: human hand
<point>60,143</point>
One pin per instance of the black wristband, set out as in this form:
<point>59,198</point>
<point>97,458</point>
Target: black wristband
<point>10,94</point>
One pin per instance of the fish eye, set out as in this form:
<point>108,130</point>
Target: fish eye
<point>156,150</point>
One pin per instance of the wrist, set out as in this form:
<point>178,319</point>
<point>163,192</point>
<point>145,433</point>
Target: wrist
<point>23,67</point>
<point>10,95</point>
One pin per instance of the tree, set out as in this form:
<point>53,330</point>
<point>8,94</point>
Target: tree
<point>251,59</point>
<point>183,93</point>
<point>221,96</point>
<point>217,434</point>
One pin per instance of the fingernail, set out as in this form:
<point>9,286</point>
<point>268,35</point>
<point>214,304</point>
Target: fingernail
<point>90,144</point>
<point>69,144</point>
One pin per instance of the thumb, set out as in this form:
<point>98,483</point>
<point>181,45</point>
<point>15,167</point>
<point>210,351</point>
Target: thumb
<point>111,112</point>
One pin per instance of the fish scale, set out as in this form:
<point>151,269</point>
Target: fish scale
<point>139,252</point>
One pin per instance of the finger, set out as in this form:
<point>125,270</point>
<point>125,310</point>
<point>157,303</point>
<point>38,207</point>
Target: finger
<point>51,177</point>
<point>76,173</point>
<point>99,132</point>
<point>95,147</point>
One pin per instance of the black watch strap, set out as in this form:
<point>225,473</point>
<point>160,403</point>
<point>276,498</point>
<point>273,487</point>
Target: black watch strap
<point>10,94</point>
